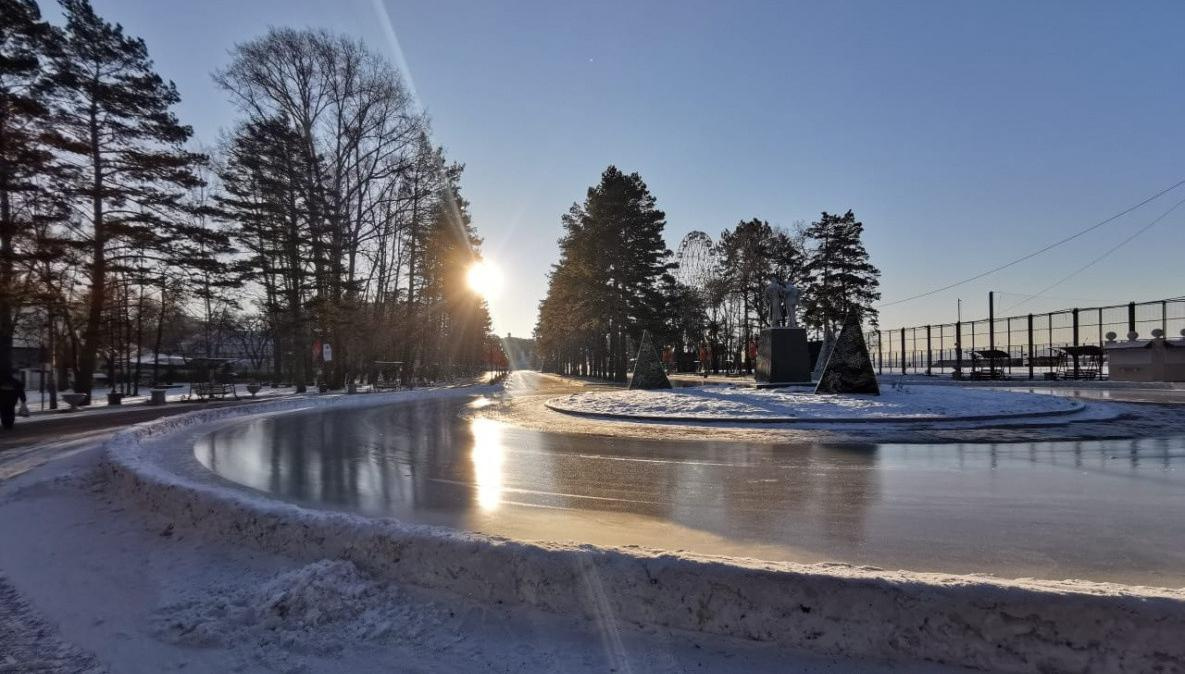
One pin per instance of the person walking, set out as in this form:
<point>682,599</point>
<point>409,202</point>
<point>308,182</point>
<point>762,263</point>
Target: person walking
<point>12,391</point>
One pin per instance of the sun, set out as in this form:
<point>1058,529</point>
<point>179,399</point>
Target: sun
<point>484,278</point>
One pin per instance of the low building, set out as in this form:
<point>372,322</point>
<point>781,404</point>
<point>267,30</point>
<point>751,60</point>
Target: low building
<point>1156,359</point>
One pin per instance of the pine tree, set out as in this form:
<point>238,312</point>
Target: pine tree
<point>116,118</point>
<point>26,161</point>
<point>264,198</point>
<point>456,317</point>
<point>605,290</point>
<point>840,278</point>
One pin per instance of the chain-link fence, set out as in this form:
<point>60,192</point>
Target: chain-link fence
<point>1031,345</point>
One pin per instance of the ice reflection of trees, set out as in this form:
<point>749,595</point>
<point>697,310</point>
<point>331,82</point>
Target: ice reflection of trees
<point>377,460</point>
<point>790,494</point>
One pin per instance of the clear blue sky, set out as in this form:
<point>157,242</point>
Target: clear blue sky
<point>963,134</point>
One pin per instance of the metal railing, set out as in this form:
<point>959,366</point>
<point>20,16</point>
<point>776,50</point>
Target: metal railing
<point>1031,342</point>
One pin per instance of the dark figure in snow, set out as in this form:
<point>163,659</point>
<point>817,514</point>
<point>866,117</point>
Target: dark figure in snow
<point>12,391</point>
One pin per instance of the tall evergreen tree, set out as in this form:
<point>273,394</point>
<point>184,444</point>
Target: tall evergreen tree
<point>840,278</point>
<point>606,287</point>
<point>116,118</point>
<point>26,161</point>
<point>456,317</point>
<point>264,197</point>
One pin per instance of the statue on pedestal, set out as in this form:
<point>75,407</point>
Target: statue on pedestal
<point>773,300</point>
<point>782,300</point>
<point>790,296</point>
<point>783,355</point>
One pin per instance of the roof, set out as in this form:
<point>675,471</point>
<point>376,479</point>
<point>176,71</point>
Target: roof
<point>1145,344</point>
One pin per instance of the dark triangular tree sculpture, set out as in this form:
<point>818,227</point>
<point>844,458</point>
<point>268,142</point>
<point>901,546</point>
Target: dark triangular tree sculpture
<point>849,368</point>
<point>648,372</point>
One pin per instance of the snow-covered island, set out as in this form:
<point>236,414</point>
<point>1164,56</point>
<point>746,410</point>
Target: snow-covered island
<point>748,404</point>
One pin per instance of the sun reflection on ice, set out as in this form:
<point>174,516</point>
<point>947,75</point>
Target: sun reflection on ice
<point>487,462</point>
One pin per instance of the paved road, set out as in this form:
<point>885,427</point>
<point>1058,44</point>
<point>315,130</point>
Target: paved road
<point>33,442</point>
<point>1101,510</point>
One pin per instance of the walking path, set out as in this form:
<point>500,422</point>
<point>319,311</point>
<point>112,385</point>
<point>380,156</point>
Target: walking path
<point>48,435</point>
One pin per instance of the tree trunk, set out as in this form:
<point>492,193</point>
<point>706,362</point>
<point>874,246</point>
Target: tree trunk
<point>7,283</point>
<point>139,341</point>
<point>160,329</point>
<point>84,379</point>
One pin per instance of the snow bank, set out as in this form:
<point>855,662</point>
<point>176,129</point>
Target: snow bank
<point>324,607</point>
<point>736,403</point>
<point>830,609</point>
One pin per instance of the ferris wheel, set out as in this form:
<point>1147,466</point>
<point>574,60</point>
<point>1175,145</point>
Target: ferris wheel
<point>696,260</point>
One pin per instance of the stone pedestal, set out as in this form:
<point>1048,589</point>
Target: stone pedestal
<point>783,357</point>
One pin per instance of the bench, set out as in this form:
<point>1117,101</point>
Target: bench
<point>211,390</point>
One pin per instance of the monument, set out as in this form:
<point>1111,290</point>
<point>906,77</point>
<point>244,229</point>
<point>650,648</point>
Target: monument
<point>783,356</point>
<point>849,367</point>
<point>824,353</point>
<point>648,372</point>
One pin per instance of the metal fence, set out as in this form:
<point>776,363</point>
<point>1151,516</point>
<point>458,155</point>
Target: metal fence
<point>1030,341</point>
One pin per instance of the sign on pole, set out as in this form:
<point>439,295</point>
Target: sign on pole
<point>326,352</point>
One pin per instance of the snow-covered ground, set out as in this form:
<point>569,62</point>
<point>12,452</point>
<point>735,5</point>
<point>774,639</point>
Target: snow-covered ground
<point>738,403</point>
<point>91,582</point>
<point>830,609</point>
<point>89,585</point>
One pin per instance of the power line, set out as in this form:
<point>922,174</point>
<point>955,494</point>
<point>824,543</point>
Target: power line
<point>1100,258</point>
<point>1035,253</point>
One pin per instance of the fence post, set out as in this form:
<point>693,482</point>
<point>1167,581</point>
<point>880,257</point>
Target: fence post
<point>1131,317</point>
<point>1075,359</point>
<point>902,350</point>
<point>941,344</point>
<point>958,349</point>
<point>1008,340</point>
<point>929,354</point>
<point>1030,346</point>
<point>1164,319</point>
<point>992,331</point>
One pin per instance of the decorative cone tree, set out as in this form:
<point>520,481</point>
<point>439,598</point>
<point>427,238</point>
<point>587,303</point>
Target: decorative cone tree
<point>648,371</point>
<point>849,368</point>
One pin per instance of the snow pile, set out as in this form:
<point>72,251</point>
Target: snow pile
<point>320,608</point>
<point>830,609</point>
<point>736,403</point>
